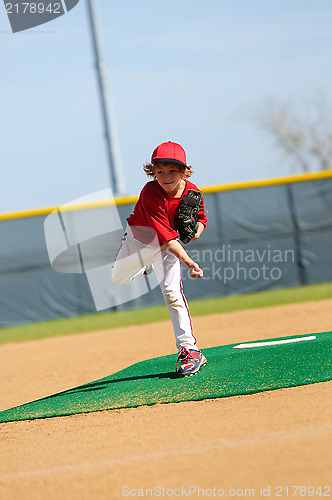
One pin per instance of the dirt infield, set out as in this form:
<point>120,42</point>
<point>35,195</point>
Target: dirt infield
<point>266,444</point>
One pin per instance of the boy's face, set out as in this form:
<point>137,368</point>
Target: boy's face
<point>169,177</point>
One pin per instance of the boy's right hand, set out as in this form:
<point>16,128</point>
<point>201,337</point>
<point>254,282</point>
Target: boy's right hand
<point>195,271</point>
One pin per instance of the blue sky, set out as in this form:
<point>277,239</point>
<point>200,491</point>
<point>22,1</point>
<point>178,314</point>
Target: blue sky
<point>190,71</point>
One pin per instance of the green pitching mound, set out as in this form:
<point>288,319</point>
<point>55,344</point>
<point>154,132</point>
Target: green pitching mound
<point>231,370</point>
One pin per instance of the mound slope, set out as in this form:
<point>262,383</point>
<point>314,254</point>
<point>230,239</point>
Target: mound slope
<point>234,369</point>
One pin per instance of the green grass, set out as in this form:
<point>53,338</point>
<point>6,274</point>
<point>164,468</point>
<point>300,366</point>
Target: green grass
<point>103,321</point>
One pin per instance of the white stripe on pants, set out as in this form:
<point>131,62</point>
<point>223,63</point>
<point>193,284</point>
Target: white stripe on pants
<point>131,260</point>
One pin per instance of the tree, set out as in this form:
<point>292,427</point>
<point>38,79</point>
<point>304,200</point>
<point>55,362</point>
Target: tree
<point>304,136</point>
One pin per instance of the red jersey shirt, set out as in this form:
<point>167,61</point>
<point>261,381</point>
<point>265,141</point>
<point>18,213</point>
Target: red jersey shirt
<point>157,210</point>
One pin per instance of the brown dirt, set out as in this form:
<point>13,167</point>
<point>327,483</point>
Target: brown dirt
<point>236,446</point>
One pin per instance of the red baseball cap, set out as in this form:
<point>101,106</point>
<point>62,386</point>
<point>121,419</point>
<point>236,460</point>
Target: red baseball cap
<point>169,152</point>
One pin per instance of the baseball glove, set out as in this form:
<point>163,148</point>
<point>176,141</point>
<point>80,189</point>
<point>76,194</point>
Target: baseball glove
<point>186,220</point>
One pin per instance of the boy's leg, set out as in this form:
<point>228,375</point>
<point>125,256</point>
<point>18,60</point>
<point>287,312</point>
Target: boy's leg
<point>170,280</point>
<point>127,264</point>
<point>132,258</point>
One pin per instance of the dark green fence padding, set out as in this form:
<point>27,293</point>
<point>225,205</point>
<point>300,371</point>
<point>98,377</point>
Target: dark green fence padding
<point>230,371</point>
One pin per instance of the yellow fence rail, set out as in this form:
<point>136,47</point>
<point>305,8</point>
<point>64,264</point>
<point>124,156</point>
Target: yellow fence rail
<point>123,200</point>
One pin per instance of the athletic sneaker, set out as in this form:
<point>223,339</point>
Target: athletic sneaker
<point>191,361</point>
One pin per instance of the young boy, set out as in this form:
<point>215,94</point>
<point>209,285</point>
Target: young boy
<point>151,243</point>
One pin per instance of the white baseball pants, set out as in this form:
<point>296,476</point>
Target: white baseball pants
<point>131,260</point>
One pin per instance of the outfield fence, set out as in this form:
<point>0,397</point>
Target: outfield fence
<point>261,235</point>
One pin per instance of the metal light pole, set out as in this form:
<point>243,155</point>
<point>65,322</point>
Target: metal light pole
<point>113,155</point>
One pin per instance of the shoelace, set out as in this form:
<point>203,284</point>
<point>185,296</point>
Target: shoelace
<point>184,355</point>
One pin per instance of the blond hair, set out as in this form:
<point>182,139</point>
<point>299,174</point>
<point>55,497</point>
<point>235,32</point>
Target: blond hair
<point>185,171</point>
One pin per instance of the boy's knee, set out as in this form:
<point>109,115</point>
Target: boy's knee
<point>171,297</point>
